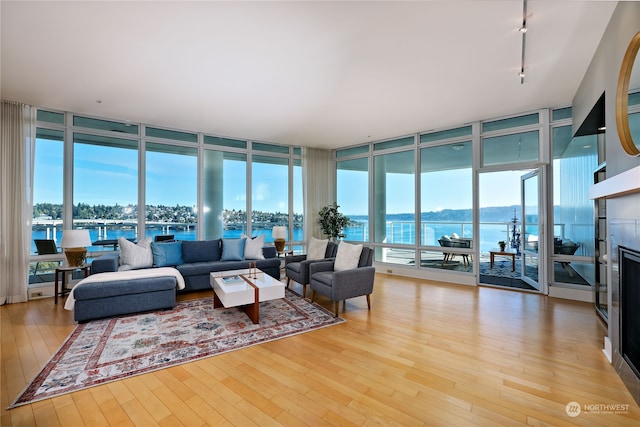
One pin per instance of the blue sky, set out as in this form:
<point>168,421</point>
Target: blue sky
<point>107,175</point>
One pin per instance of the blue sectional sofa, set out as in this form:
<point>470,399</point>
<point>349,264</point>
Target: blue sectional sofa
<point>199,258</point>
<point>195,261</point>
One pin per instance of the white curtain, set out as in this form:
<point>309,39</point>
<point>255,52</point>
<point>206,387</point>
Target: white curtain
<point>318,188</point>
<point>16,145</point>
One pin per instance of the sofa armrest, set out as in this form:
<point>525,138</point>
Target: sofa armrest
<point>315,267</point>
<point>106,263</point>
<point>308,262</point>
<point>294,258</point>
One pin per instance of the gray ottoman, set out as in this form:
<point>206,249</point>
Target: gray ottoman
<point>114,298</point>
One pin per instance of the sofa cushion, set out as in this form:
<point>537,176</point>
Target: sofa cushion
<point>233,249</point>
<point>204,268</point>
<point>253,247</point>
<point>167,254</point>
<point>269,251</point>
<point>347,257</point>
<point>201,250</point>
<point>317,248</point>
<point>134,255</point>
<point>200,268</point>
<point>141,285</point>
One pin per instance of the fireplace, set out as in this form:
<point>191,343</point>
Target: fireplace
<point>624,321</point>
<point>622,346</point>
<point>629,265</point>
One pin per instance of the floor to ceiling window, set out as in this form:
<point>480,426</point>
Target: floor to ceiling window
<point>394,221</point>
<point>448,234</point>
<point>352,195</point>
<point>104,179</point>
<point>269,191</point>
<point>446,200</point>
<point>171,189</point>
<point>47,185</point>
<point>298,203</point>
<point>105,183</point>
<point>105,187</point>
<point>574,162</point>
<point>47,203</point>
<point>225,194</point>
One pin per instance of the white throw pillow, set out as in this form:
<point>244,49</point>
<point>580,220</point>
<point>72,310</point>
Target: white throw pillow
<point>348,256</point>
<point>134,255</point>
<point>253,247</point>
<point>317,248</point>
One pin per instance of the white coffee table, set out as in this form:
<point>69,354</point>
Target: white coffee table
<point>248,292</point>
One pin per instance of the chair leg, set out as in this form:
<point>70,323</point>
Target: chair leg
<point>313,295</point>
<point>304,291</point>
<point>447,258</point>
<point>288,280</point>
<point>336,307</point>
<point>369,301</point>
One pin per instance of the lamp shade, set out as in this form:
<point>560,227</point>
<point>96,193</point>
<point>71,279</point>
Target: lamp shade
<point>75,244</point>
<point>75,239</point>
<point>279,232</point>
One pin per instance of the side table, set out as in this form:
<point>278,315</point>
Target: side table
<point>507,253</point>
<point>283,261</point>
<point>64,270</point>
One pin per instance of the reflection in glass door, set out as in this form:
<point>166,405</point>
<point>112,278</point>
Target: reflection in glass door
<point>499,220</point>
<point>532,232</point>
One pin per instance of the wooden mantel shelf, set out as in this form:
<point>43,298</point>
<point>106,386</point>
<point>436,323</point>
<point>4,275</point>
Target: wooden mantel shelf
<point>619,185</point>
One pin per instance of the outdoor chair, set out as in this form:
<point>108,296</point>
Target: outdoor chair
<point>44,247</point>
<point>566,247</point>
<point>446,243</point>
<point>297,266</point>
<point>454,242</point>
<point>344,284</point>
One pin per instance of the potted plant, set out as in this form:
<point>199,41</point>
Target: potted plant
<point>502,245</point>
<point>332,222</point>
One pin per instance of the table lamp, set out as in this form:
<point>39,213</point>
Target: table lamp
<point>279,234</point>
<point>75,244</point>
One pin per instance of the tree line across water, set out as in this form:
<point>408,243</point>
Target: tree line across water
<point>160,213</point>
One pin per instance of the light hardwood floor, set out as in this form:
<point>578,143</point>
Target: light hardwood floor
<point>426,354</point>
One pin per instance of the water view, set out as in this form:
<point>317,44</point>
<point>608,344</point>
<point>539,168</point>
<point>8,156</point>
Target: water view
<point>400,228</point>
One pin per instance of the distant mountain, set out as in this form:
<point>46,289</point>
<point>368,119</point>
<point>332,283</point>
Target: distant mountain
<point>490,214</point>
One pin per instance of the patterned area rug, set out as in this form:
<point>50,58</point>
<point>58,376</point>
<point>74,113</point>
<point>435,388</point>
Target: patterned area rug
<point>111,349</point>
<point>501,268</point>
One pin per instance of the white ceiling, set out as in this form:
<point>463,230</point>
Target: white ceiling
<point>325,74</point>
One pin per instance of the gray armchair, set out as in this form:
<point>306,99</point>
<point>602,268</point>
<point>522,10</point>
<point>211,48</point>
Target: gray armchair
<point>341,285</point>
<point>297,266</point>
